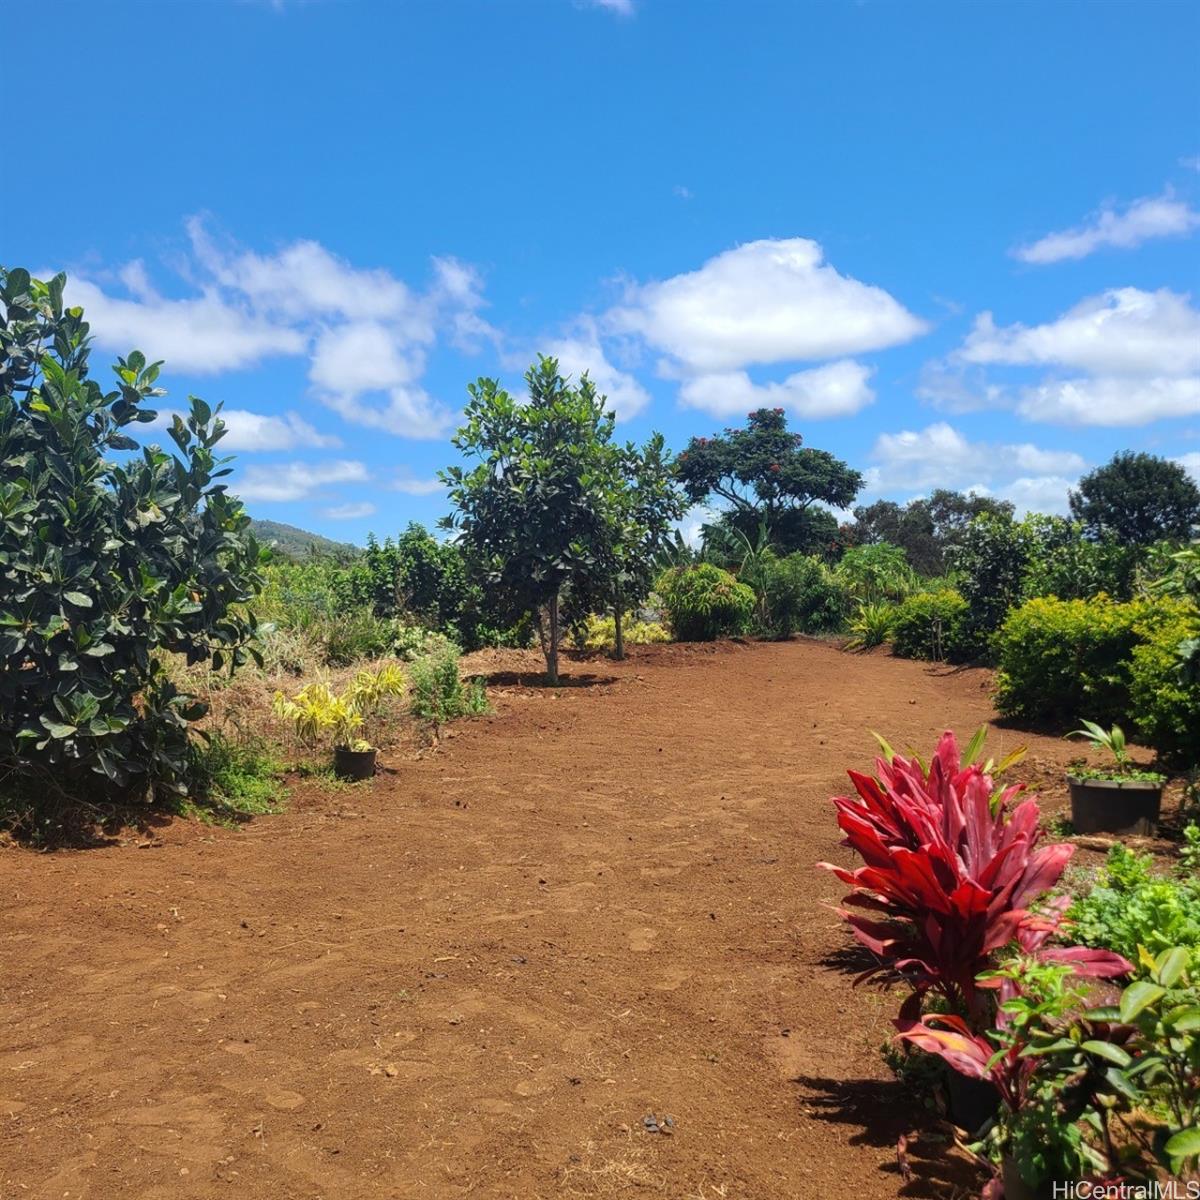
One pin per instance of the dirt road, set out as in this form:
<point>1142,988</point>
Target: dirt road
<point>477,977</point>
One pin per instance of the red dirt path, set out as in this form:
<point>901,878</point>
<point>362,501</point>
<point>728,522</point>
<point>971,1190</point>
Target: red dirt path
<point>475,977</point>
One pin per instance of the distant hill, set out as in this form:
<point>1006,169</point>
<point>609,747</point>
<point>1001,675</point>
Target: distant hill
<point>289,542</point>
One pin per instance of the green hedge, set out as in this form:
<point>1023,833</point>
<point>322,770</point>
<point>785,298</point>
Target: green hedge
<point>703,603</point>
<point>1065,659</point>
<point>934,626</point>
<point>1166,706</point>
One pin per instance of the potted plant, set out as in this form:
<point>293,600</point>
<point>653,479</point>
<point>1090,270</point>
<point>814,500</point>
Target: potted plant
<point>1121,798</point>
<point>317,712</point>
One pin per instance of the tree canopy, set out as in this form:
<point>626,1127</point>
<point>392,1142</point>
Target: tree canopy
<point>112,554</point>
<point>925,528</point>
<point>535,512</point>
<point>1138,498</point>
<point>765,473</point>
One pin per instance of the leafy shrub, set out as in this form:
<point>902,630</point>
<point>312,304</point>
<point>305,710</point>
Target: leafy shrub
<point>953,867</point>
<point>871,625</point>
<point>108,562</point>
<point>989,560</point>
<point>1061,561</point>
<point>1000,562</point>
<point>357,635</point>
<point>438,692</point>
<point>1062,658</point>
<point>600,633</point>
<point>317,711</point>
<point>239,777</point>
<point>1164,694</point>
<point>932,626</point>
<point>1131,906</point>
<point>800,594</point>
<point>703,602</point>
<point>877,571</point>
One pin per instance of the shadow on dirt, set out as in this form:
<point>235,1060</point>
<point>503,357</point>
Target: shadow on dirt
<point>889,1117</point>
<point>536,679</point>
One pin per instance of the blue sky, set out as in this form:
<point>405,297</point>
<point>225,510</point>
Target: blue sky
<point>960,243</point>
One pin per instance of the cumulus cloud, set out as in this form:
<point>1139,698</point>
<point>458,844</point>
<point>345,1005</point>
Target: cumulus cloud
<point>1191,464</point>
<point>250,431</point>
<point>366,333</point>
<point>350,512</point>
<point>1123,331</point>
<point>1149,217</point>
<point>837,389</point>
<point>1110,400</point>
<point>1041,493</point>
<point>940,455</point>
<point>294,480</point>
<point>204,334</point>
<point>955,387</point>
<point>581,351</point>
<point>1124,357</point>
<point>764,302</point>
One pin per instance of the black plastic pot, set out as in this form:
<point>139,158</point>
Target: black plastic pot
<point>353,764</point>
<point>1115,805</point>
<point>971,1102</point>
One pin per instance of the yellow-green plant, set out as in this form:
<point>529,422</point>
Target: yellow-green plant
<point>600,633</point>
<point>317,711</point>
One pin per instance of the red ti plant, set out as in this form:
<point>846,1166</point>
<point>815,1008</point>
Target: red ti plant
<point>952,867</point>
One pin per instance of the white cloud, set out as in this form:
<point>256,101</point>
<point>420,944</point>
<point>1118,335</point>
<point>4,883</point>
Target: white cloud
<point>362,357</point>
<point>838,389</point>
<point>410,485</point>
<point>250,431</point>
<point>763,302</point>
<point>1190,462</point>
<point>294,480</point>
<point>1042,493</point>
<point>350,512</point>
<point>204,334</point>
<point>1124,357</point>
<point>1192,162</point>
<point>955,388</point>
<point>1123,331</point>
<point>1109,400</point>
<point>940,456</point>
<point>405,411</point>
<point>684,193</point>
<point>1149,217</point>
<point>367,334</point>
<point>581,351</point>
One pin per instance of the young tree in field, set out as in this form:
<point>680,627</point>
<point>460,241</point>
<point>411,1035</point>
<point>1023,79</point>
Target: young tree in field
<point>535,512</point>
<point>764,473</point>
<point>1137,498</point>
<point>108,561</point>
<point>642,507</point>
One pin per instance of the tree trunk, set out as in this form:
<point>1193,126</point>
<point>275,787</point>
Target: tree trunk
<point>619,631</point>
<point>552,644</point>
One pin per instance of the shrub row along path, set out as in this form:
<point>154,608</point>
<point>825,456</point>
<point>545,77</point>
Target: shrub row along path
<point>479,975</point>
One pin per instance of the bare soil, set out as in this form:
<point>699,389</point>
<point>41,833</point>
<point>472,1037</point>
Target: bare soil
<point>479,974</point>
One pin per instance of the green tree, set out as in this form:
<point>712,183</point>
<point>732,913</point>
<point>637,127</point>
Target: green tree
<point>763,472</point>
<point>106,563</point>
<point>535,511</point>
<point>1137,498</point>
<point>643,505</point>
<point>925,528</point>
